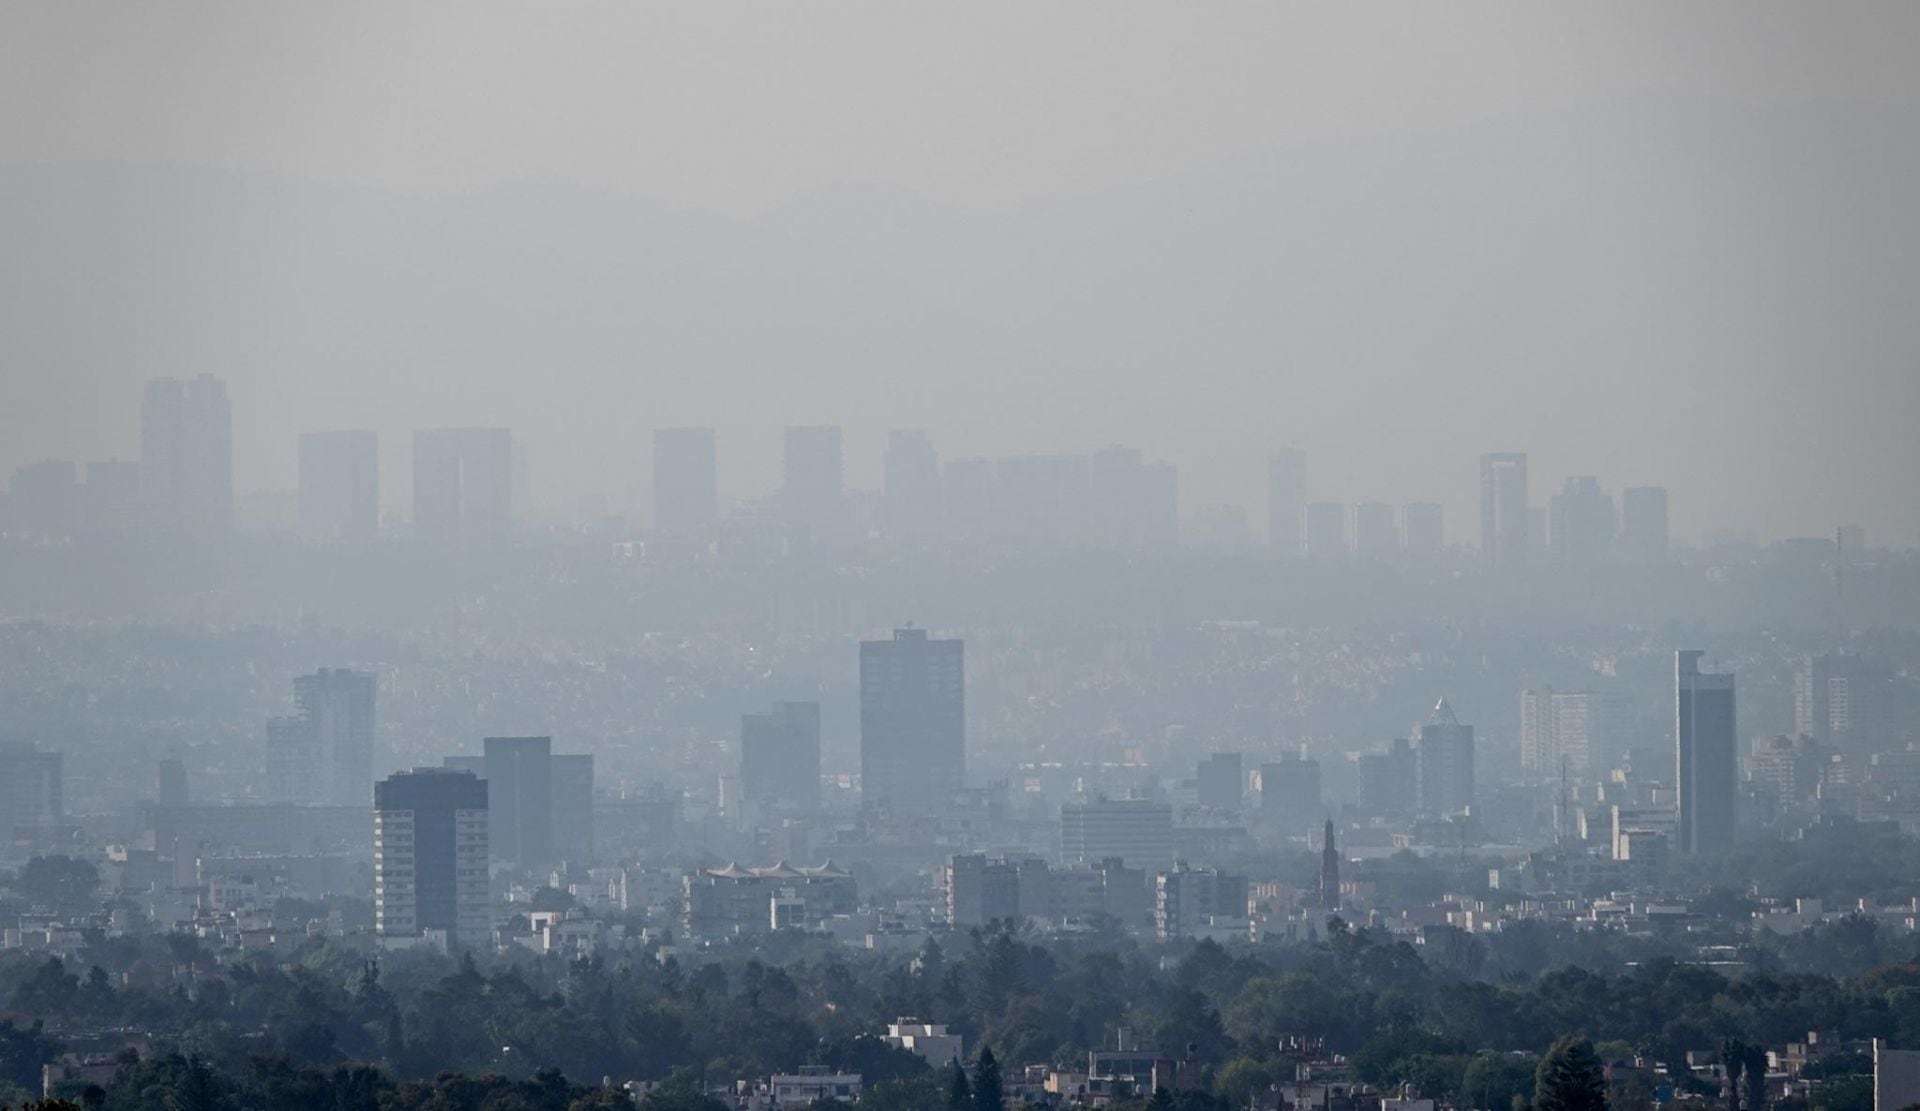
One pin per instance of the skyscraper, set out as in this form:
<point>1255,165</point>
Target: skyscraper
<point>170,783</point>
<point>1375,536</point>
<point>463,481</point>
<point>571,779</point>
<point>910,494</point>
<point>1844,700</point>
<point>1563,732</point>
<point>1580,523</point>
<point>32,788</point>
<point>430,857</point>
<point>520,799</point>
<point>686,490</point>
<point>913,726</point>
<point>1706,756</point>
<point>1133,505</point>
<point>44,500</point>
<point>1221,781</point>
<point>340,484</point>
<point>1290,792</point>
<point>1390,780</point>
<point>1287,501</point>
<point>1137,832</point>
<point>1326,525</point>
<point>1503,509</point>
<point>323,754</point>
<point>812,485</point>
<point>186,454</point>
<point>780,756</point>
<point>1643,524</point>
<point>1425,529</point>
<point>1329,870</point>
<point>1446,762</point>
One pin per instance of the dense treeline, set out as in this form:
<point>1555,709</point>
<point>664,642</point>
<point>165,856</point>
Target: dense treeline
<point>1451,1017</point>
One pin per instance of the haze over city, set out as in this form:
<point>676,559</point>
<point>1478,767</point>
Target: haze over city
<point>1141,557</point>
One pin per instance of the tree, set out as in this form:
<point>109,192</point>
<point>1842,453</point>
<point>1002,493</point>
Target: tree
<point>60,882</point>
<point>959,1092</point>
<point>1733,1061</point>
<point>1570,1078</point>
<point>988,1095</point>
<point>1756,1070</point>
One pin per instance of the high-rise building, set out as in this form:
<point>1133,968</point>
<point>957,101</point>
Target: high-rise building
<point>1706,756</point>
<point>1643,524</point>
<point>572,781</point>
<point>520,799</point>
<point>430,857</point>
<point>1326,525</point>
<point>111,499</point>
<point>1845,701</point>
<point>780,756</point>
<point>1221,781</point>
<point>1445,755</point>
<point>323,754</point>
<point>913,720</point>
<point>1503,509</point>
<point>686,484</point>
<point>1375,536</point>
<point>1133,505</point>
<point>45,500</point>
<point>1329,870</point>
<point>1424,525</point>
<point>980,889</point>
<point>1137,832</point>
<point>186,454</point>
<point>32,789</point>
<point>1290,792</point>
<point>1187,900</point>
<point>1287,501</point>
<point>1580,522</point>
<point>170,783</point>
<point>1563,732</point>
<point>910,494</point>
<point>1390,780</point>
<point>463,480</point>
<point>812,490</point>
<point>340,484</point>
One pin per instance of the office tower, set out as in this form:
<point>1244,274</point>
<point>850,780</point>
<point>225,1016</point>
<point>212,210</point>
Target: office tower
<point>686,483</point>
<point>111,500</point>
<point>463,481</point>
<point>966,499</point>
<point>1563,732</point>
<point>430,857</point>
<point>186,454</point>
<point>1390,780</point>
<point>913,721</point>
<point>1137,832</point>
<point>1290,792</point>
<point>1845,701</point>
<point>981,890</point>
<point>32,789</point>
<point>572,808</point>
<point>813,487</point>
<point>1040,502</point>
<point>1375,536</point>
<point>170,784</point>
<point>1580,522</point>
<point>1503,510</point>
<point>1643,524</point>
<point>1326,525</point>
<point>1287,501</point>
<point>1221,781</point>
<point>910,490</point>
<point>1187,900</point>
<point>1329,870</point>
<point>44,499</point>
<point>323,754</point>
<point>1850,541</point>
<point>340,484</point>
<point>519,773</point>
<point>780,756</point>
<point>1425,529</point>
<point>1446,762</point>
<point>1133,505</point>
<point>1706,756</point>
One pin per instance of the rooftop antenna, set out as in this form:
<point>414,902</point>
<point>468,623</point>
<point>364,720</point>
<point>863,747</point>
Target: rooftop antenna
<point>1840,587</point>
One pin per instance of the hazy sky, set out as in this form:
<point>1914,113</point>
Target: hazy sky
<point>1655,242</point>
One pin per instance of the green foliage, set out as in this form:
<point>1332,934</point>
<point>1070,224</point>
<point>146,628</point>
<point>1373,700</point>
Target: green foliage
<point>1570,1078</point>
<point>61,883</point>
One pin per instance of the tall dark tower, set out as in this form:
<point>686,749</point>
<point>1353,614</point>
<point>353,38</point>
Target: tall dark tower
<point>1329,871</point>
